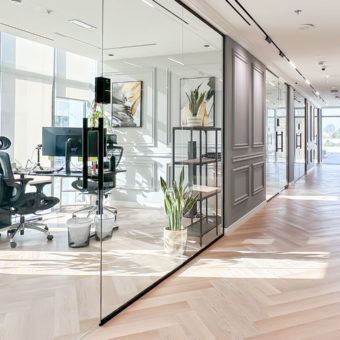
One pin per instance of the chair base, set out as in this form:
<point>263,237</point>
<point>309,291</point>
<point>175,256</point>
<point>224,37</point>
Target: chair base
<point>22,225</point>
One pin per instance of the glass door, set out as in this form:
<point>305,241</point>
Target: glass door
<point>276,137</point>
<point>299,142</point>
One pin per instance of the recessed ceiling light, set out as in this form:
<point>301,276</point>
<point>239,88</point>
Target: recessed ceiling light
<point>148,3</point>
<point>176,61</point>
<point>111,55</point>
<point>132,64</point>
<point>82,24</point>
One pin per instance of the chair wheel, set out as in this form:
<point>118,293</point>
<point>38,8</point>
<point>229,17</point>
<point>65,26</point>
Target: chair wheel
<point>50,237</point>
<point>46,228</point>
<point>13,244</point>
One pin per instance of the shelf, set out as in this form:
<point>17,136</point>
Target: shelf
<point>197,161</point>
<point>205,192</point>
<point>208,224</point>
<point>197,128</point>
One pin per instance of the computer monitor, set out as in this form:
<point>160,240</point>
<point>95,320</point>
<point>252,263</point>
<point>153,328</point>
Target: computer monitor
<point>54,141</point>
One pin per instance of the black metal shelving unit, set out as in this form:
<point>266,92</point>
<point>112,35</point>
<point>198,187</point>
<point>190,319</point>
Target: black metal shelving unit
<point>202,223</point>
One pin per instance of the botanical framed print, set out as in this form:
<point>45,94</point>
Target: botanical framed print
<point>127,104</point>
<point>198,99</point>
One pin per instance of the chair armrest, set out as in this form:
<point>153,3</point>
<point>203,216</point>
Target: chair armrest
<point>39,185</point>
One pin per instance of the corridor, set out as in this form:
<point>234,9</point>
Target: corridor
<point>276,277</point>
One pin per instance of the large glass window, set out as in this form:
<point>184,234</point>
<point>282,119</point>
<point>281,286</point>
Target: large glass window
<point>331,135</point>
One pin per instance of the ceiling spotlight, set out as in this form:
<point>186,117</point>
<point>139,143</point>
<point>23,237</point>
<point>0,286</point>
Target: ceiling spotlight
<point>281,54</point>
<point>268,40</point>
<point>292,65</point>
<point>111,55</point>
<point>307,81</point>
<point>82,24</point>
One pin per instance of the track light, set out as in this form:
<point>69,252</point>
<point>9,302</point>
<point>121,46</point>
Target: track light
<point>307,81</point>
<point>292,65</point>
<point>281,54</point>
<point>268,40</point>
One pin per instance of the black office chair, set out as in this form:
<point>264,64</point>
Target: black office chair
<point>14,200</point>
<point>115,154</point>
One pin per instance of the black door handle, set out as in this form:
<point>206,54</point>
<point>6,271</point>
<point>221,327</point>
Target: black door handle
<point>277,141</point>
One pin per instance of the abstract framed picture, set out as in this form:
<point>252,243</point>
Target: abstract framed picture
<point>202,89</point>
<point>127,104</point>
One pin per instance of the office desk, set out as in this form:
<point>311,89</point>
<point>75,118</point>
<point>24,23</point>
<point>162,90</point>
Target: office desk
<point>23,173</point>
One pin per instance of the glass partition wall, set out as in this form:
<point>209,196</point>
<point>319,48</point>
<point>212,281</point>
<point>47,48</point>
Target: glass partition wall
<point>152,160</point>
<point>331,135</point>
<point>276,137</point>
<point>166,73</point>
<point>300,137</point>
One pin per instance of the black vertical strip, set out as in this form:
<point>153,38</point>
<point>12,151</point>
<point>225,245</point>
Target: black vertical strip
<point>85,153</point>
<point>101,154</point>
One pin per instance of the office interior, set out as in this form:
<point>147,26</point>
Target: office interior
<point>153,61</point>
<point>246,151</point>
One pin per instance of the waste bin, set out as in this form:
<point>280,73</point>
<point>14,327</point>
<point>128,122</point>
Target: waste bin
<point>107,228</point>
<point>79,232</point>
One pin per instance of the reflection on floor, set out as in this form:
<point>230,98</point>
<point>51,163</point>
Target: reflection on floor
<point>50,291</point>
<point>276,178</point>
<point>276,277</point>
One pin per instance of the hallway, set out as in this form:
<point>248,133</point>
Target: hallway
<point>276,277</point>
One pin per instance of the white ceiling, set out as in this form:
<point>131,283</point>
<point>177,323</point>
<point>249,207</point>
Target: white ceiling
<point>131,27</point>
<point>305,47</point>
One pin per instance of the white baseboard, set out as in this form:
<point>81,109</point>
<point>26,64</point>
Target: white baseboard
<point>243,219</point>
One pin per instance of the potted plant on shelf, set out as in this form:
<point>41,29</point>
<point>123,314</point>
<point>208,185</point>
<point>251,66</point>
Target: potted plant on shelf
<point>196,99</point>
<point>178,201</point>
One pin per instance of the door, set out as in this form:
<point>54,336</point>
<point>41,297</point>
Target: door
<point>299,141</point>
<point>276,137</point>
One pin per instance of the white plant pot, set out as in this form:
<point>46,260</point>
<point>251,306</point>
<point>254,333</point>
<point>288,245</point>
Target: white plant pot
<point>175,241</point>
<point>194,121</point>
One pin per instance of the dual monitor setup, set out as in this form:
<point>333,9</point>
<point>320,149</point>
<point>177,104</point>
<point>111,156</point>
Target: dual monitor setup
<point>67,142</point>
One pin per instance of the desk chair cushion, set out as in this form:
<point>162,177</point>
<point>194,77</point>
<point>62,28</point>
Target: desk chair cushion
<point>92,187</point>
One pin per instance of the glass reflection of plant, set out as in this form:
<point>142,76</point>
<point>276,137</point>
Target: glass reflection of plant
<point>195,100</point>
<point>178,201</point>
<point>95,112</point>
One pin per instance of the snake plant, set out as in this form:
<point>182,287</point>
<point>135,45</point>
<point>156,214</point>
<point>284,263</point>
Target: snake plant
<point>178,201</point>
<point>195,100</point>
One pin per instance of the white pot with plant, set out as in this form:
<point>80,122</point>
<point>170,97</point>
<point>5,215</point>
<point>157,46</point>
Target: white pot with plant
<point>178,201</point>
<point>196,99</point>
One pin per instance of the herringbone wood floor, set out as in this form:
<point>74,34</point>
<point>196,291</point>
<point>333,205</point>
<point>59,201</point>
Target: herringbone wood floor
<point>276,277</point>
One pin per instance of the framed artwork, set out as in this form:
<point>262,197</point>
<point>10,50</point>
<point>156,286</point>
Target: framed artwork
<point>127,104</point>
<point>205,104</point>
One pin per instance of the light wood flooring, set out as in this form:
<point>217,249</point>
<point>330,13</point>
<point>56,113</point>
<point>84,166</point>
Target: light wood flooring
<point>276,277</point>
<point>50,291</point>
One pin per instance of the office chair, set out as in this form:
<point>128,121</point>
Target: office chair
<point>14,200</point>
<point>109,179</point>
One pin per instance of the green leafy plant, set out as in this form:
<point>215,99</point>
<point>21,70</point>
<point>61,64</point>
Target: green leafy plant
<point>195,100</point>
<point>178,201</point>
<point>95,113</point>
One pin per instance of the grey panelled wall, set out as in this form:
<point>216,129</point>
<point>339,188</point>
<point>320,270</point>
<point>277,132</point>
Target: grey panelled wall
<point>244,152</point>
